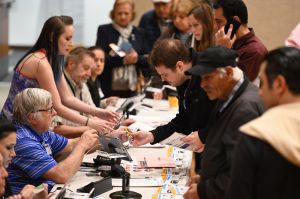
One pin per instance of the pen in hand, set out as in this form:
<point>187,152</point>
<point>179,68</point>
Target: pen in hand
<point>118,124</point>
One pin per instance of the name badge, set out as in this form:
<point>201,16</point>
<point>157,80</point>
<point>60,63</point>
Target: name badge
<point>48,149</point>
<point>101,94</point>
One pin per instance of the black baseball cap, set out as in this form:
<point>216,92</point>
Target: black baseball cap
<point>212,58</point>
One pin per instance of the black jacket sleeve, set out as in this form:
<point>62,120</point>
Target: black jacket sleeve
<point>107,34</point>
<point>243,168</point>
<point>216,187</point>
<point>178,124</point>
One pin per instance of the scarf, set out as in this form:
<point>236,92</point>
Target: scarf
<point>280,127</point>
<point>125,32</point>
<point>127,72</point>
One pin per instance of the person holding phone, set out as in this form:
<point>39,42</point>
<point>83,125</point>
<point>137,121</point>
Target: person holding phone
<point>232,31</point>
<point>8,139</point>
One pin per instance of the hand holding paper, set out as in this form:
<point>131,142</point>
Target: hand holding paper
<point>194,141</point>
<point>194,179</point>
<point>131,57</point>
<point>141,138</point>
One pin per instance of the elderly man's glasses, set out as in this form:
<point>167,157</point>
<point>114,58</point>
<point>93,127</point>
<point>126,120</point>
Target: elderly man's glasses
<point>50,110</point>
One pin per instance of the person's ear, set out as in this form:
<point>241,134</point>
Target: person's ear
<point>279,85</point>
<point>229,72</point>
<point>236,18</point>
<point>72,65</point>
<point>111,15</point>
<point>180,65</point>
<point>31,118</point>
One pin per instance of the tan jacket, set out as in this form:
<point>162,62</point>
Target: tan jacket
<point>280,127</point>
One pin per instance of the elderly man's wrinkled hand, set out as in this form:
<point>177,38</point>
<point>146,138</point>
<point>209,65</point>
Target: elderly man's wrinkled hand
<point>194,179</point>
<point>191,193</point>
<point>195,142</point>
<point>89,139</point>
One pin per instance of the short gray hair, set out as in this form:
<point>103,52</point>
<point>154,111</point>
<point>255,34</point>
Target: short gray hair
<point>237,73</point>
<point>28,101</point>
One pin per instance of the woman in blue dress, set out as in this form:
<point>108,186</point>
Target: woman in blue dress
<point>42,66</point>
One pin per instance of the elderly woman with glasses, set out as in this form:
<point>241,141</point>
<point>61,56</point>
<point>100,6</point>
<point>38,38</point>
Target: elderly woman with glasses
<point>41,155</point>
<point>8,140</point>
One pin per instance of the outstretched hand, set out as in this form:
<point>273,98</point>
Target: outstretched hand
<point>142,137</point>
<point>100,125</point>
<point>107,114</point>
<point>29,192</point>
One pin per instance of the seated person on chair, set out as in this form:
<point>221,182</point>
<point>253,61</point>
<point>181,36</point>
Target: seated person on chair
<point>77,71</point>
<point>93,82</point>
<point>41,155</point>
<point>8,140</point>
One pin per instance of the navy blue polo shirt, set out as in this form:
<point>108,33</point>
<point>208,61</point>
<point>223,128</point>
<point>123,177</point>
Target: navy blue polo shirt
<point>34,157</point>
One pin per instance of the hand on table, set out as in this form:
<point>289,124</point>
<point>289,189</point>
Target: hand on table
<point>127,122</point>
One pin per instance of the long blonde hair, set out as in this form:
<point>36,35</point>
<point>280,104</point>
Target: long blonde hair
<point>183,6</point>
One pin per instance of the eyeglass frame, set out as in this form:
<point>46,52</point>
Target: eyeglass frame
<point>49,110</point>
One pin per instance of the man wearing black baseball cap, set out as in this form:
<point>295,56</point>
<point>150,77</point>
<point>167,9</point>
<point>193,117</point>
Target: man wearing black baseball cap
<point>212,58</point>
<point>238,102</point>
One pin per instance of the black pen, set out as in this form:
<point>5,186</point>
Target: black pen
<point>118,124</point>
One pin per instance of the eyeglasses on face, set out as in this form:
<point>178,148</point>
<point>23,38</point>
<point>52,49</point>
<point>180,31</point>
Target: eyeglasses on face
<point>50,110</point>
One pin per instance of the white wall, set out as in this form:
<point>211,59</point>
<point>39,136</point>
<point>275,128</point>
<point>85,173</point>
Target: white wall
<point>26,18</point>
<point>96,13</point>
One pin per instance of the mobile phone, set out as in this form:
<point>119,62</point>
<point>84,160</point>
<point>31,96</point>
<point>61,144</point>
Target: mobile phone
<point>38,189</point>
<point>235,25</point>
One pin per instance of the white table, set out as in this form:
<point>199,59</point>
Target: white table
<point>160,113</point>
<point>182,171</point>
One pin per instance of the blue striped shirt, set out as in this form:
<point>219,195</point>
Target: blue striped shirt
<point>34,157</point>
